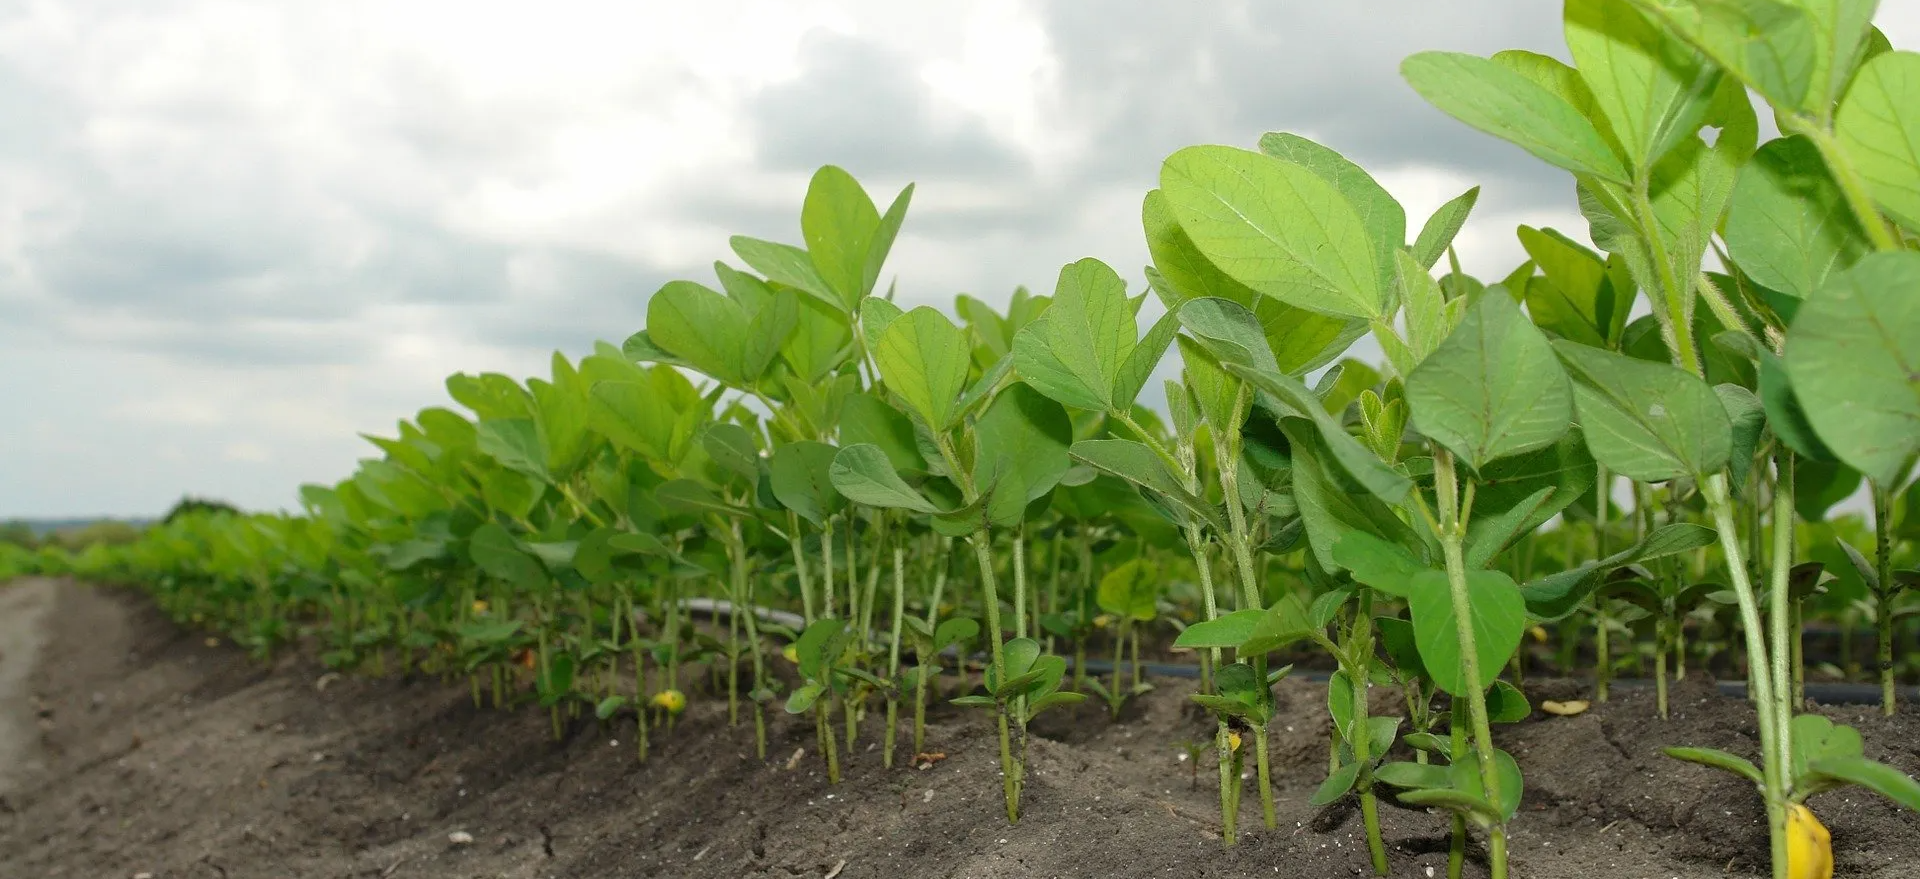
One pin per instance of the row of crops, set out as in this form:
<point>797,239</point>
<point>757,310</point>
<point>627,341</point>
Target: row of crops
<point>1635,453</point>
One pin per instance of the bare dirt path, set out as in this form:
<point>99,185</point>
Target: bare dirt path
<point>24,605</point>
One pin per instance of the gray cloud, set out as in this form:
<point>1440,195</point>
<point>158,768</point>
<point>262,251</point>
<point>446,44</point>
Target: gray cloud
<point>859,103</point>
<point>238,259</point>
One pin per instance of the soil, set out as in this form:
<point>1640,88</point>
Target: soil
<point>159,751</point>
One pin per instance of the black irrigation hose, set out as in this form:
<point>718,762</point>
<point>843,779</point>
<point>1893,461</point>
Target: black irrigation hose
<point>1823,693</point>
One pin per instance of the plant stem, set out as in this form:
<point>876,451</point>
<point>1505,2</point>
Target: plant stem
<point>1226,444</point>
<point>1020,580</point>
<point>893,651</point>
<point>1759,678</point>
<point>1603,645</point>
<point>800,567</point>
<point>1852,185</point>
<point>1457,843</point>
<point>1453,531</point>
<point>1782,609</point>
<point>1009,770</point>
<point>1883,596</point>
<point>743,591</point>
<point>1360,651</point>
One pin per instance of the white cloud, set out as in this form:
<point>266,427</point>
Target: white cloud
<point>236,233</point>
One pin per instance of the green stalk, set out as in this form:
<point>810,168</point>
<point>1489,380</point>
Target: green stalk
<point>800,567</point>
<point>1360,652</point>
<point>933,619</point>
<point>893,652</point>
<point>1883,596</point>
<point>1660,639</point>
<point>1196,544</point>
<point>1603,635</point>
<point>1020,580</point>
<point>1852,185</point>
<point>1457,840</point>
<point>1759,677</point>
<point>1009,771</point>
<point>1782,609</point>
<point>1226,445</point>
<point>1453,532</point>
<point>743,590</point>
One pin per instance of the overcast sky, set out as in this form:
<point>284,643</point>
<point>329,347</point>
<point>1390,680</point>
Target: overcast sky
<point>235,235</point>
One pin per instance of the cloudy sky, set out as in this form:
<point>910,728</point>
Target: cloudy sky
<point>234,235</point>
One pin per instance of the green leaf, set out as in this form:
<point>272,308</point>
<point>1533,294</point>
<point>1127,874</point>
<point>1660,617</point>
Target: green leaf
<point>1135,462</point>
<point>1438,232</point>
<point>1089,327</point>
<point>1329,506</point>
<point>1788,224</point>
<point>1130,589</point>
<point>516,443</point>
<point>1229,331</point>
<point>1357,460</point>
<point>819,647</point>
<point>924,359</point>
<point>693,498</point>
<point>1185,271</point>
<point>1771,46</point>
<point>1556,596</point>
<point>1407,774</point>
<point>1397,636</point>
<point>1647,421</point>
<point>1577,299</point>
<point>1284,623</point>
<point>1472,806</point>
<point>1512,107</point>
<point>1717,759</point>
<point>784,264</point>
<point>1785,415</point>
<point>883,237</point>
<point>702,327</point>
<point>802,699</point>
<point>1854,355</point>
<point>733,448</point>
<point>1879,127</point>
<point>821,341</point>
<point>863,475</point>
<point>556,680</point>
<point>1877,777</point>
<point>865,418</point>
<point>876,315</point>
<point>609,706</point>
<point>1035,361</point>
<point>1226,632</point>
<point>1022,444</point>
<point>1498,616</point>
<point>1465,775</point>
<point>1336,786</point>
<point>1748,418</point>
<point>1650,85</point>
<point>1385,220</point>
<point>1276,227</point>
<point>1493,389</point>
<point>1385,566</point>
<point>802,479</point>
<point>497,554</point>
<point>838,221</point>
<point>1506,704</point>
<point>1519,494</point>
<point>1145,358</point>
